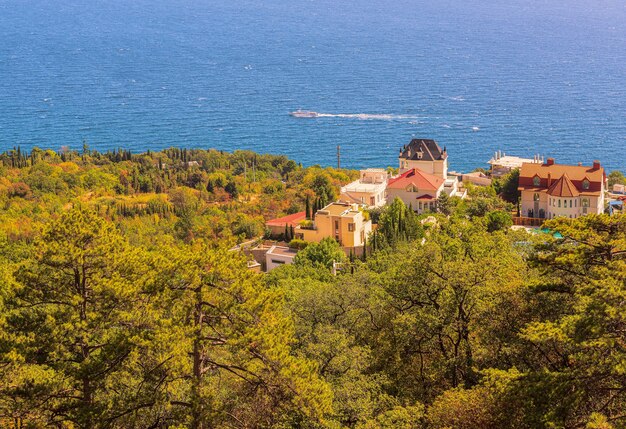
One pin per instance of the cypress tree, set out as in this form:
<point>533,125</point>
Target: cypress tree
<point>308,208</point>
<point>364,256</point>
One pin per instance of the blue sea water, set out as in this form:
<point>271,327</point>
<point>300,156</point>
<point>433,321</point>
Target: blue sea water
<point>522,76</point>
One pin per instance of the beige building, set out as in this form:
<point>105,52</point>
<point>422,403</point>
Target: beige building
<point>551,190</point>
<point>417,189</point>
<point>278,256</point>
<point>425,155</point>
<point>342,221</point>
<point>368,190</point>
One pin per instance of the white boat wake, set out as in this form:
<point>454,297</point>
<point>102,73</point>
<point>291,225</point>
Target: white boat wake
<point>361,116</point>
<point>367,116</point>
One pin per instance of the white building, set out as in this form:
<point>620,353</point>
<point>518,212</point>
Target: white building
<point>368,190</point>
<point>502,164</point>
<point>277,256</point>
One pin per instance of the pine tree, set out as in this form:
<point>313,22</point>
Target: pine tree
<point>231,338</point>
<point>77,321</point>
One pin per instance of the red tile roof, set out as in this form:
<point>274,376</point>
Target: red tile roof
<point>549,173</point>
<point>421,180</point>
<point>563,188</point>
<point>291,220</point>
<point>425,197</point>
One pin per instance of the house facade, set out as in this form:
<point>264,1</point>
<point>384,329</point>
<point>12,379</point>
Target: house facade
<point>417,189</point>
<point>425,155</point>
<point>278,256</point>
<point>552,190</point>
<point>369,190</point>
<point>342,221</point>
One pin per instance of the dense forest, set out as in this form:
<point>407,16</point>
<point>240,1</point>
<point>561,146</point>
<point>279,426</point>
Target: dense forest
<point>124,305</point>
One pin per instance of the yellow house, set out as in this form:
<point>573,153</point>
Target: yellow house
<point>342,221</point>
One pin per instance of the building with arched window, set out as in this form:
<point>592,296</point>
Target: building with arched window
<point>418,189</point>
<point>551,190</point>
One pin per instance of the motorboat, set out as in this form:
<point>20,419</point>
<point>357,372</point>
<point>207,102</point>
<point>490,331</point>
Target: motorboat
<point>304,114</point>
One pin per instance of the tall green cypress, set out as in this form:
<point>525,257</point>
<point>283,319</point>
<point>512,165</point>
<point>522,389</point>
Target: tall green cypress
<point>308,208</point>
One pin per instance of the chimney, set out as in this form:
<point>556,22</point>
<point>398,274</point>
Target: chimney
<point>580,164</point>
<point>596,164</point>
<point>550,161</point>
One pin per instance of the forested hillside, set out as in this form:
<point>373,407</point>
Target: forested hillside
<point>121,305</point>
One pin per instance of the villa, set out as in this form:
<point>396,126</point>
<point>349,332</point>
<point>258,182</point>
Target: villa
<point>551,190</point>
<point>342,221</point>
<point>418,189</point>
<point>425,155</point>
<point>369,190</point>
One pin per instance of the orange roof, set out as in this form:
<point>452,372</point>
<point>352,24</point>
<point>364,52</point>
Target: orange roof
<point>563,188</point>
<point>575,172</point>
<point>292,219</point>
<point>542,177</point>
<point>421,180</point>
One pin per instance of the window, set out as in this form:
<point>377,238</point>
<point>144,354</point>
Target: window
<point>372,201</point>
<point>420,205</point>
<point>351,227</point>
<point>536,197</point>
<point>585,184</point>
<point>277,262</point>
<point>570,204</point>
<point>559,203</point>
<point>536,181</point>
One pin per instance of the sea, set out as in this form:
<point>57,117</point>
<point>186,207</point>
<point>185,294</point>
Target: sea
<point>524,77</point>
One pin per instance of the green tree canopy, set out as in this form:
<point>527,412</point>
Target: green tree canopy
<point>321,254</point>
